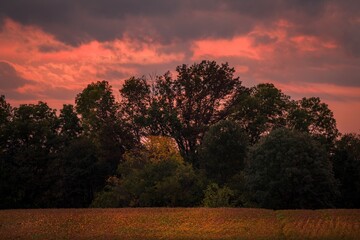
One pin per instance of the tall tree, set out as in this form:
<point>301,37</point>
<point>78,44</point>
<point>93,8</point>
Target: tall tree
<point>136,100</point>
<point>70,126</point>
<point>5,111</point>
<point>346,163</point>
<point>79,174</point>
<point>5,119</point>
<point>313,116</point>
<point>33,146</point>
<point>99,114</point>
<point>223,151</point>
<point>185,107</point>
<point>6,165</point>
<point>260,109</point>
<point>97,106</point>
<point>288,169</point>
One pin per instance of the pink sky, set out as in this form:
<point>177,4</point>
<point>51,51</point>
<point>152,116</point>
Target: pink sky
<point>304,50</point>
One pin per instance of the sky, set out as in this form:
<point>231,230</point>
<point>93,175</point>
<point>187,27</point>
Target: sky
<point>50,50</point>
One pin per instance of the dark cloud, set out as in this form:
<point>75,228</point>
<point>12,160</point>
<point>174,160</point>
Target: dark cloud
<point>15,95</point>
<point>51,48</point>
<point>111,74</point>
<point>9,78</point>
<point>45,94</point>
<point>59,93</point>
<point>263,39</point>
<point>79,21</point>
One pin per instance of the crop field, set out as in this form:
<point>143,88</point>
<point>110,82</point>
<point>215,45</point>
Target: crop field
<point>179,223</point>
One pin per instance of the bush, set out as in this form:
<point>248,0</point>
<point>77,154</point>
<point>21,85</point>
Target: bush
<point>216,196</point>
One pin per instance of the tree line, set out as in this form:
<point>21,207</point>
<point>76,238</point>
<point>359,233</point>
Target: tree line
<point>199,138</point>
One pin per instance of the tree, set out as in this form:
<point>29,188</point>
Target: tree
<point>136,99</point>
<point>96,104</point>
<point>99,115</point>
<point>5,111</point>
<point>160,148</point>
<point>260,109</point>
<point>184,108</point>
<point>6,166</point>
<point>70,126</point>
<point>152,178</point>
<point>32,147</point>
<point>223,151</point>
<point>312,116</point>
<point>78,175</point>
<point>346,162</point>
<point>287,170</point>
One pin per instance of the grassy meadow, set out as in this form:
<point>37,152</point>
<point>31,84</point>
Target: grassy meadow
<point>179,223</point>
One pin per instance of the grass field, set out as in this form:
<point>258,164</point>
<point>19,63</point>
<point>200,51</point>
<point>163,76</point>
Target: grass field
<point>179,223</point>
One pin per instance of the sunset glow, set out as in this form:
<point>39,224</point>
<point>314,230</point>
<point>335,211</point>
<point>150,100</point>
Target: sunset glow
<point>305,49</point>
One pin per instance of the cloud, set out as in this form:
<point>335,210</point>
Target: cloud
<point>112,74</point>
<point>48,48</point>
<point>9,77</point>
<point>64,45</point>
<point>75,22</point>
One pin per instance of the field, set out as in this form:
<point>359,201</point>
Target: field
<point>179,223</point>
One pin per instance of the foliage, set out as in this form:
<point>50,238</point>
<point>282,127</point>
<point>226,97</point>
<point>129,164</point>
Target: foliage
<point>30,149</point>
<point>79,172</point>
<point>260,109</point>
<point>185,107</point>
<point>5,111</point>
<point>346,162</point>
<point>99,112</point>
<point>223,151</point>
<point>166,183</point>
<point>216,196</point>
<point>96,104</point>
<point>288,169</point>
<point>149,177</point>
<point>70,124</point>
<point>6,163</point>
<point>111,196</point>
<point>312,116</point>
<point>136,99</point>
<point>168,138</point>
<point>160,148</point>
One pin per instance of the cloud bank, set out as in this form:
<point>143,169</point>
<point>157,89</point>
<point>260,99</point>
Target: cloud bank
<point>52,49</point>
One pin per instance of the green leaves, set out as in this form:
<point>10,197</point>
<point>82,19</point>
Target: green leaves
<point>288,169</point>
<point>183,107</point>
<point>96,104</point>
<point>216,196</point>
<point>346,162</point>
<point>260,109</point>
<point>223,151</point>
<point>313,116</point>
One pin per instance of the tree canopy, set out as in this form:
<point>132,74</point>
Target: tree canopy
<point>260,109</point>
<point>223,151</point>
<point>183,107</point>
<point>193,137</point>
<point>288,169</point>
<point>346,162</point>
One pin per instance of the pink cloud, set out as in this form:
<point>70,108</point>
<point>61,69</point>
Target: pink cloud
<point>49,63</point>
<point>238,46</point>
<point>301,65</point>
